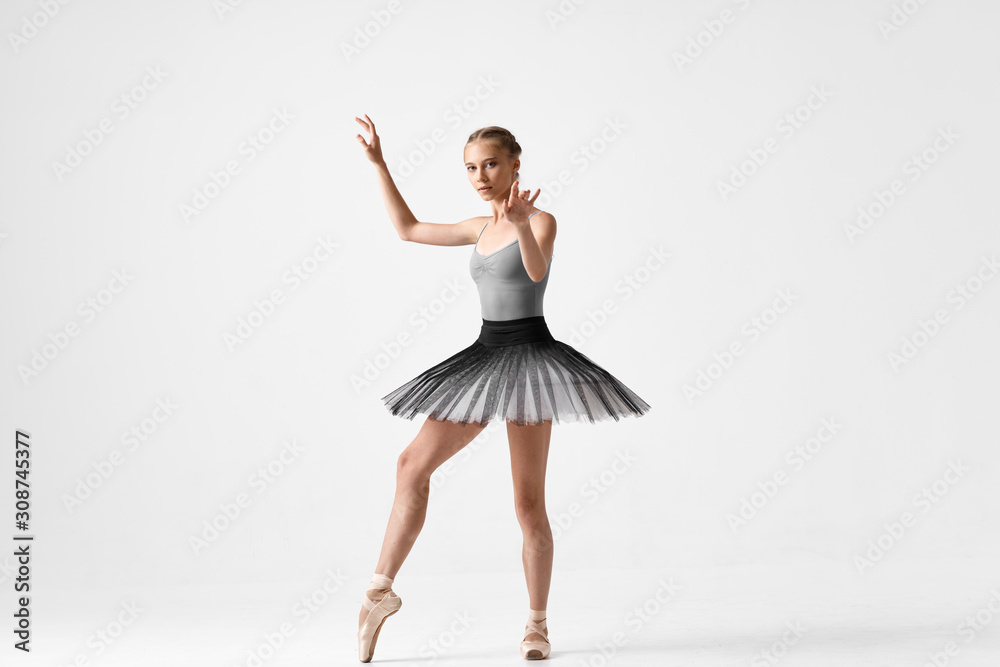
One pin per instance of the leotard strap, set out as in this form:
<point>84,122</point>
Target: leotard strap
<point>488,222</point>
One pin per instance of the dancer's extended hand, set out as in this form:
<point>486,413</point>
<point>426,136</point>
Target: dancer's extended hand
<point>518,205</point>
<point>374,149</point>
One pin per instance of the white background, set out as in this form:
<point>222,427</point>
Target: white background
<point>600,97</point>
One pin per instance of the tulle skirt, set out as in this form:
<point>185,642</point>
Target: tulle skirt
<point>517,371</point>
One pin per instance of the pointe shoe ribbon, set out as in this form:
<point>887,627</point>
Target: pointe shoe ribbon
<point>535,650</point>
<point>377,613</point>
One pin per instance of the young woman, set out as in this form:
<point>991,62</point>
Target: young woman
<point>515,370</point>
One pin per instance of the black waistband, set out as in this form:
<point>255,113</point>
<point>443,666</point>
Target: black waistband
<point>514,332</point>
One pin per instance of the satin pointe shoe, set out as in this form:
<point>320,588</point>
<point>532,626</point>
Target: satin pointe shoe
<point>377,613</point>
<point>535,650</point>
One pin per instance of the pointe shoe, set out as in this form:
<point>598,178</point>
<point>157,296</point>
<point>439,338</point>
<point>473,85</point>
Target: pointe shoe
<point>377,613</point>
<point>534,650</point>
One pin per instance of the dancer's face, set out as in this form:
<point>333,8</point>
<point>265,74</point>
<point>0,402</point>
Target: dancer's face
<point>490,167</point>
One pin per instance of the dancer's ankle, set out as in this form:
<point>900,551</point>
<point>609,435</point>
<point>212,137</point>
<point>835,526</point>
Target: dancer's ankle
<point>379,585</point>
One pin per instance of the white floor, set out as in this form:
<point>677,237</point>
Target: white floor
<point>913,613</point>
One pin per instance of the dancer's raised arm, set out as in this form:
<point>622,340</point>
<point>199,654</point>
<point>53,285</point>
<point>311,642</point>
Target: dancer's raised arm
<point>407,226</point>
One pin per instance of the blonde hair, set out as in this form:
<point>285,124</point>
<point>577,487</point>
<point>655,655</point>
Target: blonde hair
<point>501,138</point>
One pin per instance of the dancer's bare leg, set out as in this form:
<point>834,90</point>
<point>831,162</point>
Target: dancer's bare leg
<point>529,451</point>
<point>435,443</point>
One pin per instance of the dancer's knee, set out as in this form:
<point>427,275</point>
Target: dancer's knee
<point>412,474</point>
<point>530,511</point>
<point>534,522</point>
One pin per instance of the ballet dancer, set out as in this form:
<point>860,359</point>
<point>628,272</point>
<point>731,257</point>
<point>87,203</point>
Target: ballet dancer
<point>515,370</point>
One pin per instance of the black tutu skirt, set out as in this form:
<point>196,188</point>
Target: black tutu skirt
<point>516,371</point>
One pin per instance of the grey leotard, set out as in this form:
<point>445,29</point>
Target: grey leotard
<point>506,291</point>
